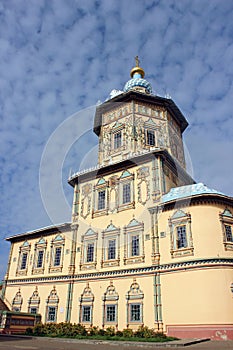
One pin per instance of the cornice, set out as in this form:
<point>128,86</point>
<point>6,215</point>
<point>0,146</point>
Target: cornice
<point>161,269</point>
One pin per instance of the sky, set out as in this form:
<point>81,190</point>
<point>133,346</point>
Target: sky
<point>60,58</point>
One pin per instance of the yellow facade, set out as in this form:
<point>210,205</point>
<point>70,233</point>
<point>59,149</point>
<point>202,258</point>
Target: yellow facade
<point>146,245</point>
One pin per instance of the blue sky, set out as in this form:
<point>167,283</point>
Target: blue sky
<point>60,57</point>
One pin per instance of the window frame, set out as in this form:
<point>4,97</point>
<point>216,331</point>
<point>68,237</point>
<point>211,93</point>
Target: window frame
<point>101,186</point>
<point>148,132</point>
<point>88,239</point>
<point>86,300</point>
<point>24,250</point>
<point>226,219</point>
<point>40,246</point>
<point>57,243</point>
<point>112,233</point>
<point>110,299</point>
<point>132,230</point>
<point>134,297</point>
<point>180,219</point>
<point>126,179</point>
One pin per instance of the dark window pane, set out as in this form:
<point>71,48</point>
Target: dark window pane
<point>90,252</point>
<point>111,313</point>
<point>86,314</point>
<point>57,257</point>
<point>117,140</point>
<point>24,261</point>
<point>135,312</point>
<point>111,249</point>
<point>40,258</point>
<point>181,237</point>
<point>135,246</point>
<point>126,193</point>
<point>150,137</point>
<point>228,232</point>
<point>101,200</point>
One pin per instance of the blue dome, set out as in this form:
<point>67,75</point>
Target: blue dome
<point>134,82</point>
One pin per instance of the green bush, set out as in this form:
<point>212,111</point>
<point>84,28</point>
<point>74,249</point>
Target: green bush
<point>110,331</point>
<point>94,330</point>
<point>119,333</point>
<point>128,333</point>
<point>144,332</point>
<point>101,332</point>
<point>29,331</point>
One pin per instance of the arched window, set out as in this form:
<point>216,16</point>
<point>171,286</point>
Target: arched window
<point>23,261</point>
<point>34,302</point>
<point>110,306</point>
<point>181,234</point>
<point>17,301</point>
<point>226,219</point>
<point>86,306</point>
<point>52,306</point>
<point>134,242</point>
<point>57,253</point>
<point>134,299</point>
<point>111,246</point>
<point>89,250</point>
<point>39,256</point>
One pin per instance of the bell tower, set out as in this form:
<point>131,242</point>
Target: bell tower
<point>137,121</point>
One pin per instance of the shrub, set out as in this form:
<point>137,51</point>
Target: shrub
<point>29,331</point>
<point>144,332</point>
<point>128,333</point>
<point>39,329</point>
<point>160,335</point>
<point>93,330</point>
<point>101,332</point>
<point>110,331</point>
<point>119,333</point>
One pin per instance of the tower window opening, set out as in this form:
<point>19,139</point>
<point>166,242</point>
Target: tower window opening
<point>150,137</point>
<point>117,140</point>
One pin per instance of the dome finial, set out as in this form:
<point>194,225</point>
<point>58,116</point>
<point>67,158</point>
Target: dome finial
<point>137,72</point>
<point>137,61</point>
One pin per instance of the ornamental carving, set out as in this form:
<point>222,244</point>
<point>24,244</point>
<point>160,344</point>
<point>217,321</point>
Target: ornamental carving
<point>86,200</point>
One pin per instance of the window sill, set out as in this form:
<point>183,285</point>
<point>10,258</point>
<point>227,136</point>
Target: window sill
<point>228,246</point>
<point>88,266</point>
<point>110,263</point>
<point>126,206</point>
<point>55,269</point>
<point>21,273</point>
<point>134,260</point>
<point>38,271</point>
<point>182,252</point>
<point>99,213</point>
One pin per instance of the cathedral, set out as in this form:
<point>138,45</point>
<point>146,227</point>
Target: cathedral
<point>146,244</point>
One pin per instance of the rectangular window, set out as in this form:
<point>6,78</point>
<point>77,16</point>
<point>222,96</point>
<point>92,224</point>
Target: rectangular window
<point>228,232</point>
<point>150,137</point>
<point>110,313</point>
<point>126,193</point>
<point>24,261</point>
<point>33,310</point>
<point>51,314</point>
<point>90,252</point>
<point>135,245</point>
<point>57,257</point>
<point>86,314</point>
<point>117,140</point>
<point>181,237</point>
<point>40,258</point>
<point>111,249</point>
<point>101,200</point>
<point>135,312</point>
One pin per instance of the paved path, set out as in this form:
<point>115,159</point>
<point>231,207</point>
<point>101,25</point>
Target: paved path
<point>14,343</point>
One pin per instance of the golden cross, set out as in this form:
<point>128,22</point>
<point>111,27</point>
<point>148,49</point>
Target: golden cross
<point>137,61</point>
